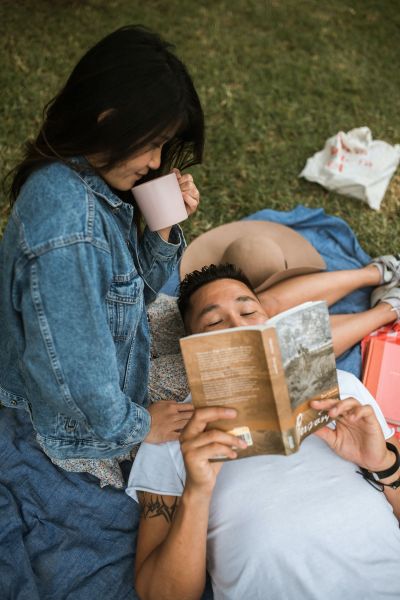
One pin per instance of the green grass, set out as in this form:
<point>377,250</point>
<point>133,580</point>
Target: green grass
<point>276,78</point>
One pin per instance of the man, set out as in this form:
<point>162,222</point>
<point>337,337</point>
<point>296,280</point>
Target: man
<point>299,527</point>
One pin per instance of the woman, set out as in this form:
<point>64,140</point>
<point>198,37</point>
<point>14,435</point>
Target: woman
<point>76,271</point>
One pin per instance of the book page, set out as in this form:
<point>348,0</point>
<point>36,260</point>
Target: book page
<point>230,369</point>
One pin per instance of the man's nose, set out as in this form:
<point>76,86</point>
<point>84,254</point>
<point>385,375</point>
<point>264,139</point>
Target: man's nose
<point>236,321</point>
<point>155,159</point>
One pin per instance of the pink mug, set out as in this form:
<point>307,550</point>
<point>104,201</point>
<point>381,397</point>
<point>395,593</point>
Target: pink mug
<point>160,201</point>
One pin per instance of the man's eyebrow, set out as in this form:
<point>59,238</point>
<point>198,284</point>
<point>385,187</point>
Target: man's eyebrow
<point>245,299</point>
<point>211,307</point>
<point>208,309</point>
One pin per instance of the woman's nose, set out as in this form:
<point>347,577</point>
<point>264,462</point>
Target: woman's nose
<point>155,159</point>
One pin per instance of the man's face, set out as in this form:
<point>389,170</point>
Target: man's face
<point>223,304</point>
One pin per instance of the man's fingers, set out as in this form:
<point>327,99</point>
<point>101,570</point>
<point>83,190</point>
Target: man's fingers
<point>213,436</point>
<point>335,407</point>
<point>326,434</point>
<point>202,416</point>
<point>214,450</point>
<point>361,412</point>
<point>350,409</point>
<point>325,404</point>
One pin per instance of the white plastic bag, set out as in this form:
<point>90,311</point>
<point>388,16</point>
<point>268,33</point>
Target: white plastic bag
<point>354,165</point>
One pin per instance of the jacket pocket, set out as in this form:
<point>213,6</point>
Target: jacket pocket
<point>124,303</point>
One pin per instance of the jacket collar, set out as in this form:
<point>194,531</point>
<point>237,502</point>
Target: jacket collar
<point>96,183</point>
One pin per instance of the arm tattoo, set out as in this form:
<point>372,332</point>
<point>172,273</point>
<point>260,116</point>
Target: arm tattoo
<point>156,506</point>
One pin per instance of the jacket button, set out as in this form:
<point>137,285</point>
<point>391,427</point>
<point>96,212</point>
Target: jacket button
<point>14,402</point>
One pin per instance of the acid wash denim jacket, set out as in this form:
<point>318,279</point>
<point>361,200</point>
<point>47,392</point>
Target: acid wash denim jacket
<point>74,337</point>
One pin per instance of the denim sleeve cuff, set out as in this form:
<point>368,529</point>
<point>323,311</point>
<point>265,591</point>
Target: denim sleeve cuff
<point>175,245</point>
<point>141,427</point>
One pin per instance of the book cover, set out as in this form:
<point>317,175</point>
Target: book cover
<point>269,373</point>
<point>382,376</point>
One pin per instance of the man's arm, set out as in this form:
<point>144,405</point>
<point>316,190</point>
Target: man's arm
<point>171,549</point>
<point>358,438</point>
<point>168,563</point>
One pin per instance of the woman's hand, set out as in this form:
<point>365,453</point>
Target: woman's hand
<point>190,193</point>
<point>358,436</point>
<point>199,446</point>
<point>168,418</point>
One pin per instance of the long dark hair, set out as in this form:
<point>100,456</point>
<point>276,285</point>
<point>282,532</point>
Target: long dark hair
<point>141,89</point>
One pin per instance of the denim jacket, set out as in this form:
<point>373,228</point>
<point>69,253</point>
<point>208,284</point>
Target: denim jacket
<point>74,338</point>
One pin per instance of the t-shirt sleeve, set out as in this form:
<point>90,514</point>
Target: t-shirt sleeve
<point>349,385</point>
<point>159,469</point>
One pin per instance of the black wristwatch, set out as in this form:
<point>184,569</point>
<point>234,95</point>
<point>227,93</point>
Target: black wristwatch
<point>374,477</point>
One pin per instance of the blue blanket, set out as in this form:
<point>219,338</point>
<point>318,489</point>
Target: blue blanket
<point>62,537</point>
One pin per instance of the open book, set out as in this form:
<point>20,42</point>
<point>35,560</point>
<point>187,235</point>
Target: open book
<point>269,373</point>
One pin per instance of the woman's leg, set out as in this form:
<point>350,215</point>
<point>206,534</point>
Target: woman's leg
<point>348,330</point>
<point>329,286</point>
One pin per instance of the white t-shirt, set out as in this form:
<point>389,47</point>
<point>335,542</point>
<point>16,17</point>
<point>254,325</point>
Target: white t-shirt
<point>299,527</point>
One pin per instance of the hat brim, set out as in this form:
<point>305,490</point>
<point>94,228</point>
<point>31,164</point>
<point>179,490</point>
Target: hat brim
<point>300,256</point>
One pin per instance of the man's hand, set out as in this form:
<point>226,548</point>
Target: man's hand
<point>358,436</point>
<point>199,446</point>
<point>168,418</point>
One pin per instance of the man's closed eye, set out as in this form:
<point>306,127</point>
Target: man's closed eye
<point>214,323</point>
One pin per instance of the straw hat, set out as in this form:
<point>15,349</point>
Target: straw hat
<point>266,252</point>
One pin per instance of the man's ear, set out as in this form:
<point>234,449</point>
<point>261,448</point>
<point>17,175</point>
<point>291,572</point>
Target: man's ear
<point>186,322</point>
<point>188,331</point>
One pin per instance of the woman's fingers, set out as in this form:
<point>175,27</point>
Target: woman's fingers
<point>177,407</point>
<point>184,406</point>
<point>190,193</point>
<point>173,436</point>
<point>180,423</point>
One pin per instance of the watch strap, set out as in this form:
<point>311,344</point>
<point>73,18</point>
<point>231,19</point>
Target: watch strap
<point>391,470</point>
